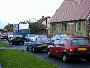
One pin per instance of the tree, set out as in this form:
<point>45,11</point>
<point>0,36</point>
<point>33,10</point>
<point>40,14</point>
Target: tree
<point>34,28</point>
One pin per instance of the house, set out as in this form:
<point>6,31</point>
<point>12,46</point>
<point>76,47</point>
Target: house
<point>44,24</point>
<point>71,18</point>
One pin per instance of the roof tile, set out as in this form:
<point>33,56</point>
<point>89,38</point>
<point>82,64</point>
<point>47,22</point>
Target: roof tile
<point>72,10</point>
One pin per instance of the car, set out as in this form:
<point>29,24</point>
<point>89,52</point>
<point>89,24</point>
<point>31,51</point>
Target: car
<point>3,36</point>
<point>16,39</point>
<point>39,36</point>
<point>37,44</point>
<point>70,49</point>
<point>59,37</point>
<point>10,35</point>
<point>29,36</point>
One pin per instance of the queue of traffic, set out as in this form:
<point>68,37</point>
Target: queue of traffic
<point>62,46</point>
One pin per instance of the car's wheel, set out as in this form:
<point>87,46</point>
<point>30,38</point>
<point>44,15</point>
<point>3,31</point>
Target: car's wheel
<point>10,42</point>
<point>22,43</point>
<point>49,53</point>
<point>65,58</point>
<point>33,50</point>
<point>27,48</point>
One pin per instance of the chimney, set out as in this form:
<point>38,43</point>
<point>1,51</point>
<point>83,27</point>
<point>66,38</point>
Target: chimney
<point>42,16</point>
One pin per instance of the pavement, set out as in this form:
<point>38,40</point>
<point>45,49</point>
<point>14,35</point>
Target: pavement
<point>0,66</point>
<point>20,47</point>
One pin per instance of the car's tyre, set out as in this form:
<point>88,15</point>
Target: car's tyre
<point>10,43</point>
<point>49,53</point>
<point>65,58</point>
<point>33,50</point>
<point>22,43</point>
<point>27,48</point>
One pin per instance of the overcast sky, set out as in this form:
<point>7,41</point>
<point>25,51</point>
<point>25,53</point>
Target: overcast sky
<point>14,11</point>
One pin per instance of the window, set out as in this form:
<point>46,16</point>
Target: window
<point>64,27</point>
<point>58,28</point>
<point>54,27</point>
<point>78,26</point>
<point>84,26</point>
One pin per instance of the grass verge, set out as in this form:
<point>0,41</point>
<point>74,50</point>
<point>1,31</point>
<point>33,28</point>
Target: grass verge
<point>13,58</point>
<point>4,44</point>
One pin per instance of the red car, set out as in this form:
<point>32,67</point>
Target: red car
<point>74,48</point>
<point>3,36</point>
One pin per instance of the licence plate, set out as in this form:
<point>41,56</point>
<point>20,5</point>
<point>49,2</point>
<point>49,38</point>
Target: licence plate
<point>44,45</point>
<point>80,49</point>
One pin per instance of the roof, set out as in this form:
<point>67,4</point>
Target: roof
<point>41,20</point>
<point>72,10</point>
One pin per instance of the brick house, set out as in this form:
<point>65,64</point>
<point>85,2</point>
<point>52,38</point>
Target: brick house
<point>71,18</point>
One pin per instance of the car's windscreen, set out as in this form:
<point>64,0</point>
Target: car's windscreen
<point>42,40</point>
<point>31,35</point>
<point>79,42</point>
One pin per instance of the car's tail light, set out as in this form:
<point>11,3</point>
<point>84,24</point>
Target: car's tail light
<point>22,39</point>
<point>14,39</point>
<point>71,50</point>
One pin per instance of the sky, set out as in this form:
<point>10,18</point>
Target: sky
<point>14,11</point>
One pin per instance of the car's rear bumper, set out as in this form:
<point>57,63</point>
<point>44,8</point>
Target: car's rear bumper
<point>16,41</point>
<point>41,48</point>
<point>82,55</point>
<point>4,38</point>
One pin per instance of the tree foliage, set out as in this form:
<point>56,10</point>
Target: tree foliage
<point>34,28</point>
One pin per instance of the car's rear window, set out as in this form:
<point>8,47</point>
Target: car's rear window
<point>4,35</point>
<point>18,36</point>
<point>31,35</point>
<point>80,42</point>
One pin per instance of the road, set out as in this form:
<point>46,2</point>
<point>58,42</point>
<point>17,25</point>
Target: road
<point>58,62</point>
<point>20,47</point>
